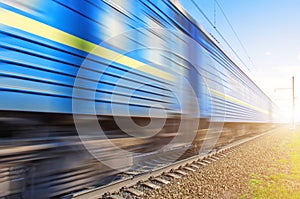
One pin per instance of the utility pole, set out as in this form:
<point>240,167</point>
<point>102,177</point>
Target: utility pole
<point>293,100</point>
<point>292,122</point>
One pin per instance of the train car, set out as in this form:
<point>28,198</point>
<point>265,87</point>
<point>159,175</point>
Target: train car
<point>229,86</point>
<point>86,84</point>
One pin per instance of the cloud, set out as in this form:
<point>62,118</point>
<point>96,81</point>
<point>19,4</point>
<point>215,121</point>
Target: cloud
<point>298,56</point>
<point>287,70</point>
<point>268,53</point>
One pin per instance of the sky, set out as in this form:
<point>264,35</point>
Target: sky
<point>269,30</point>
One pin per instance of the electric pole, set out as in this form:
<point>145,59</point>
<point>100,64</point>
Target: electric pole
<point>293,101</point>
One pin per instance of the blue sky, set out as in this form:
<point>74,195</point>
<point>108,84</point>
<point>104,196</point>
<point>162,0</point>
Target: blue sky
<point>270,33</point>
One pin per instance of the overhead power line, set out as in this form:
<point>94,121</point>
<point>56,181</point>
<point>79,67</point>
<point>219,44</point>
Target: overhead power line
<point>236,35</point>
<point>219,33</point>
<point>215,14</point>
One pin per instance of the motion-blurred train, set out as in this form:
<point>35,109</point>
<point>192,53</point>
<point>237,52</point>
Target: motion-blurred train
<point>128,64</point>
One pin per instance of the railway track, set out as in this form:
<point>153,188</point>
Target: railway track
<point>135,183</point>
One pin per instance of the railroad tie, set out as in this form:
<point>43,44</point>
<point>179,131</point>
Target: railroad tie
<point>215,157</point>
<point>221,155</point>
<point>116,197</point>
<point>194,166</point>
<point>134,192</point>
<point>150,185</point>
<point>180,172</point>
<point>202,163</point>
<point>211,159</point>
<point>173,175</point>
<point>189,169</point>
<point>161,180</point>
<point>206,161</point>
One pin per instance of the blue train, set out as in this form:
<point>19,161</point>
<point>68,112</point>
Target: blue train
<point>129,64</point>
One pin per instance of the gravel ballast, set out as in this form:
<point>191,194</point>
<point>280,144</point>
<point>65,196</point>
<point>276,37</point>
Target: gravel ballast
<point>230,176</point>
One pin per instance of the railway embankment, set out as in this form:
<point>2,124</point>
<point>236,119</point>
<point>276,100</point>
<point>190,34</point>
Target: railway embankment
<point>267,167</point>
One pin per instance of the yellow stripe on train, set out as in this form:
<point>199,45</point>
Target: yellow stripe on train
<point>26,24</point>
<point>233,99</point>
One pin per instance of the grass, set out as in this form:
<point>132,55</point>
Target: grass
<point>283,178</point>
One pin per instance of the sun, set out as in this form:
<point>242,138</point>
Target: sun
<point>287,113</point>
